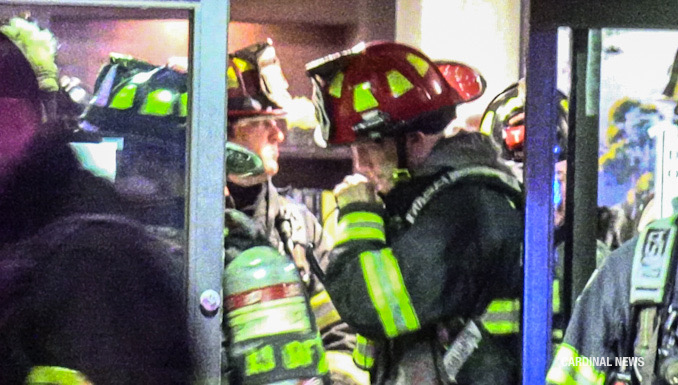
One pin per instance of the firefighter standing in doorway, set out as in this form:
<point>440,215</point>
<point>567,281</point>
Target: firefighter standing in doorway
<point>430,232</point>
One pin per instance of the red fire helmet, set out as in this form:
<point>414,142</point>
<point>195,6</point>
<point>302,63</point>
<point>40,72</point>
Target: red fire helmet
<point>383,89</point>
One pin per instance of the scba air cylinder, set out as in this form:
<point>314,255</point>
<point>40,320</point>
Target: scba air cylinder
<point>273,336</point>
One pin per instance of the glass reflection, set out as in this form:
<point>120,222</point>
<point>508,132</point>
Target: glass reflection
<point>638,141</point>
<point>125,98</point>
<point>92,126</point>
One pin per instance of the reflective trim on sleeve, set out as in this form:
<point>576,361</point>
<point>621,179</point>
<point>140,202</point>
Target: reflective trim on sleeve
<point>570,368</point>
<point>364,352</point>
<point>502,316</point>
<point>556,296</point>
<point>388,292</point>
<point>324,311</point>
<point>360,225</point>
<point>55,375</point>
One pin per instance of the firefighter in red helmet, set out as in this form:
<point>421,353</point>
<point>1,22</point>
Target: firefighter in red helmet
<point>430,230</point>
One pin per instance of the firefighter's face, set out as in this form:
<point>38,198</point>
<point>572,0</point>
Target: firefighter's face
<point>262,135</point>
<point>19,121</point>
<point>377,161</point>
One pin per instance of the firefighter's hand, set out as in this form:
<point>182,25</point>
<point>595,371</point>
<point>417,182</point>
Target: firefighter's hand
<point>355,189</point>
<point>241,233</point>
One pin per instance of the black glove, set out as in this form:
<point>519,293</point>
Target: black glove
<point>241,233</point>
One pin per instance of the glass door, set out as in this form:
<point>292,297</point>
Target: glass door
<point>144,97</point>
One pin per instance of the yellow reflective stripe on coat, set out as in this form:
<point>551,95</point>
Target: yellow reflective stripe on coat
<point>55,375</point>
<point>556,296</point>
<point>364,352</point>
<point>502,316</point>
<point>388,292</point>
<point>570,368</point>
<point>323,309</point>
<point>360,225</point>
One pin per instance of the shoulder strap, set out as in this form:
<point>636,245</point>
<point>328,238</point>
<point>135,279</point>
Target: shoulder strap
<point>650,279</point>
<point>509,184</point>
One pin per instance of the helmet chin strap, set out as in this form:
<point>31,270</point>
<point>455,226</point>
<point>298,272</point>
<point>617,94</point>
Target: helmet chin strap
<point>402,173</point>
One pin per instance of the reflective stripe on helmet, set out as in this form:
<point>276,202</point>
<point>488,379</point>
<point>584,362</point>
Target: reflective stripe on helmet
<point>565,104</point>
<point>569,368</point>
<point>347,112</point>
<point>363,99</point>
<point>398,83</point>
<point>487,124</point>
<point>232,78</point>
<point>512,104</point>
<point>418,63</point>
<point>124,99</point>
<point>243,65</point>
<point>183,105</point>
<point>55,375</point>
<point>388,293</point>
<point>158,103</point>
<point>324,311</point>
<point>360,225</point>
<point>336,84</point>
<point>364,352</point>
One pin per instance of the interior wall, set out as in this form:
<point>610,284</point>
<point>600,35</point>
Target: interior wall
<point>295,43</point>
<point>484,34</point>
<point>301,30</point>
<point>304,30</point>
<point>85,45</point>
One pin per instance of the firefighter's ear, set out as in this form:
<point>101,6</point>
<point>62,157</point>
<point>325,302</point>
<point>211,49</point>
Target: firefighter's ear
<point>419,146</point>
